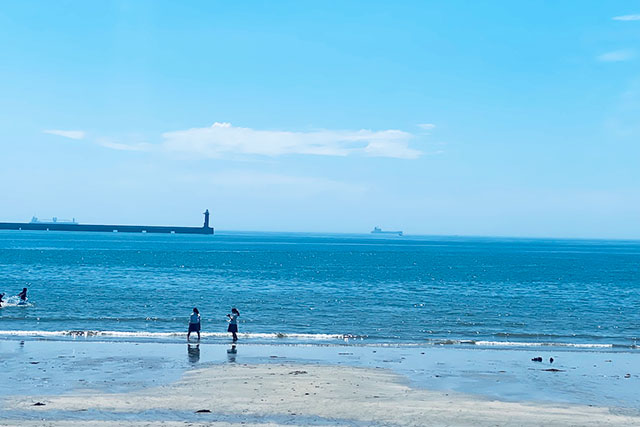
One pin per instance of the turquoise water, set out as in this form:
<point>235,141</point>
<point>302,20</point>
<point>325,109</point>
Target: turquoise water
<point>324,288</point>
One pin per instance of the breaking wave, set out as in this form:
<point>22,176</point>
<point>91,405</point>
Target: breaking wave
<point>530,344</point>
<point>166,335</point>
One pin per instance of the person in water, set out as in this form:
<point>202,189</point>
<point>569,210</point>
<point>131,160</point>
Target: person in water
<point>1,296</point>
<point>233,323</point>
<point>23,295</point>
<point>194,323</point>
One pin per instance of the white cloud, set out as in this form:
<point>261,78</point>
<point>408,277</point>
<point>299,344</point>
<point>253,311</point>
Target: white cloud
<point>73,134</point>
<point>427,126</point>
<point>626,18</point>
<point>617,55</point>
<point>223,139</point>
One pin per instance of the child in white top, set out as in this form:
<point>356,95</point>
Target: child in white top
<point>233,323</point>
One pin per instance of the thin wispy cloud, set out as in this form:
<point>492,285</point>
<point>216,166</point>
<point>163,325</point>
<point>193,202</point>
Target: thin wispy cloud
<point>626,18</point>
<point>223,139</point>
<point>250,180</point>
<point>73,134</point>
<point>427,126</point>
<point>617,56</point>
<point>141,146</point>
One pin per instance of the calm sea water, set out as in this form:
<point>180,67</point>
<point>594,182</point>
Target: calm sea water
<point>309,287</point>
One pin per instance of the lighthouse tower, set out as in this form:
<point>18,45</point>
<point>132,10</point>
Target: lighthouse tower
<point>206,219</point>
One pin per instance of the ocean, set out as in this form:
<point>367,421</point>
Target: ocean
<point>323,288</point>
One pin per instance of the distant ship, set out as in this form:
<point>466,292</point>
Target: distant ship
<point>378,230</point>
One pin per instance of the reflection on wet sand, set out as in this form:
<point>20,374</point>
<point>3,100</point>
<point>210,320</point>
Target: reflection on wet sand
<point>232,353</point>
<point>194,352</point>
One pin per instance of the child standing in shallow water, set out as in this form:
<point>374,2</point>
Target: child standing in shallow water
<point>194,323</point>
<point>233,323</point>
<point>23,296</point>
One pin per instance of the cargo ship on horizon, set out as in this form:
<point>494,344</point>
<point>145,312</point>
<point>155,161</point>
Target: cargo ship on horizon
<point>378,230</point>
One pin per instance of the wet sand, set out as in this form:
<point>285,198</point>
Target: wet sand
<point>136,384</point>
<point>281,394</point>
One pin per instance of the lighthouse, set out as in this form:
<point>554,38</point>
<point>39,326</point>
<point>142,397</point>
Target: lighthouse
<point>206,219</point>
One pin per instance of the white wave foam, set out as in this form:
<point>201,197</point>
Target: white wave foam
<point>14,301</point>
<point>540,344</point>
<point>295,337</point>
<point>126,334</point>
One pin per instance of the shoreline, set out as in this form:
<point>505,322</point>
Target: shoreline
<point>295,394</point>
<point>294,338</point>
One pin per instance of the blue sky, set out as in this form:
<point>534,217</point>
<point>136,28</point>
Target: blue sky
<point>435,117</point>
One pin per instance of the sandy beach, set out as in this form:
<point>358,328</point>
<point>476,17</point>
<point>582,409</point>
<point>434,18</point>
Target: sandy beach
<point>296,394</point>
<point>87,382</point>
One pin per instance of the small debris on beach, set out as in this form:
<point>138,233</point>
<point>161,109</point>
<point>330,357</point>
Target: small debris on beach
<point>537,359</point>
<point>627,376</point>
<point>553,370</point>
<point>34,363</point>
<point>203,411</point>
<point>551,360</point>
<point>297,372</point>
<point>38,404</point>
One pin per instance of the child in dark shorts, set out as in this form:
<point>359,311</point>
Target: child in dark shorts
<point>233,323</point>
<point>194,323</point>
